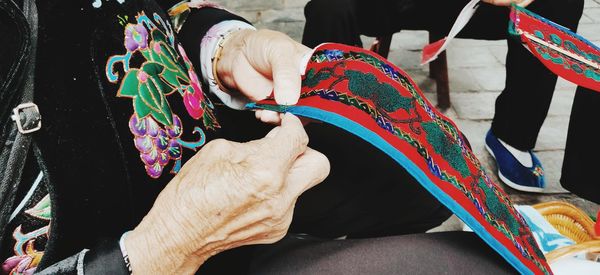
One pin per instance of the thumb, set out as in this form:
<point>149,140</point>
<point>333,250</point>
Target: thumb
<point>308,170</point>
<point>286,75</point>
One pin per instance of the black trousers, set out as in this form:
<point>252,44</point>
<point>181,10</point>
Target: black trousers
<point>522,106</point>
<point>433,253</point>
<point>436,253</point>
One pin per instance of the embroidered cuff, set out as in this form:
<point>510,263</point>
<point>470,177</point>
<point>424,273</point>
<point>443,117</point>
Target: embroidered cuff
<point>124,252</point>
<point>80,260</point>
<point>105,258</point>
<point>210,46</point>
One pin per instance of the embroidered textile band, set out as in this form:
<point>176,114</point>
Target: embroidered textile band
<point>565,53</point>
<point>362,93</point>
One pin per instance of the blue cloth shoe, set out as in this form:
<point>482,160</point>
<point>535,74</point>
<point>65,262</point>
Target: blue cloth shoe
<point>511,171</point>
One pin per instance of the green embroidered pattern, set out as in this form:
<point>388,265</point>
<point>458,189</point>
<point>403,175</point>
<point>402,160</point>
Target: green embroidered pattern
<point>442,145</point>
<point>365,85</point>
<point>496,209</point>
<point>164,70</point>
<point>382,94</point>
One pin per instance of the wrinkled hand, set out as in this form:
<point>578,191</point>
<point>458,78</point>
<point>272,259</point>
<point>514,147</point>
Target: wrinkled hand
<point>228,195</point>
<point>257,63</point>
<point>521,3</point>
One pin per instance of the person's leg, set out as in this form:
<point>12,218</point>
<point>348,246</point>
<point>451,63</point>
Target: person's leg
<point>435,253</point>
<point>523,105</point>
<point>331,21</point>
<point>582,150</point>
<point>343,21</point>
<point>366,194</point>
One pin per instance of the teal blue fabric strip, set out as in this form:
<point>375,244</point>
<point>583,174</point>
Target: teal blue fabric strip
<point>413,170</point>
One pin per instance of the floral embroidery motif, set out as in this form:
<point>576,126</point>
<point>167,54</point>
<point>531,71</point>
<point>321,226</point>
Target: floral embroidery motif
<point>27,258</point>
<point>165,69</point>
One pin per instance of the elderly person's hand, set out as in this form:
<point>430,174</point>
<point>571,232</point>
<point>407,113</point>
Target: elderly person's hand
<point>228,195</point>
<point>521,3</point>
<point>257,63</point>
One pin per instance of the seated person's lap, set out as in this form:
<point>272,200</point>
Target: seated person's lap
<point>435,253</point>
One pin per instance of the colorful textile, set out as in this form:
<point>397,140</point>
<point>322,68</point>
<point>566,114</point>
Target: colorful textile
<point>364,94</point>
<point>565,53</point>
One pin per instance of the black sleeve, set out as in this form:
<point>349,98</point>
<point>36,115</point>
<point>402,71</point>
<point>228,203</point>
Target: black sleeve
<point>104,258</point>
<point>167,4</point>
<point>196,25</point>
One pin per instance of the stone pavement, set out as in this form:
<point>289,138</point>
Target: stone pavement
<point>477,75</point>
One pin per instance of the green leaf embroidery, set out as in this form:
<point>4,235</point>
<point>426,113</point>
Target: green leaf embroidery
<point>42,209</point>
<point>157,72</point>
<point>158,35</point>
<point>168,58</point>
<point>141,109</point>
<point>174,78</point>
<point>156,101</point>
<point>129,85</point>
<point>152,68</point>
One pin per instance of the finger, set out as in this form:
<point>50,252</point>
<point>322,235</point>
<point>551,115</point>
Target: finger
<point>310,169</point>
<point>268,138</point>
<point>275,231</point>
<point>525,3</point>
<point>283,145</point>
<point>251,83</point>
<point>273,131</point>
<point>500,2</point>
<point>286,74</point>
<point>270,117</point>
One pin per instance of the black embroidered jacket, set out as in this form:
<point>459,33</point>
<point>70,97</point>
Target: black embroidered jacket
<point>122,109</point>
